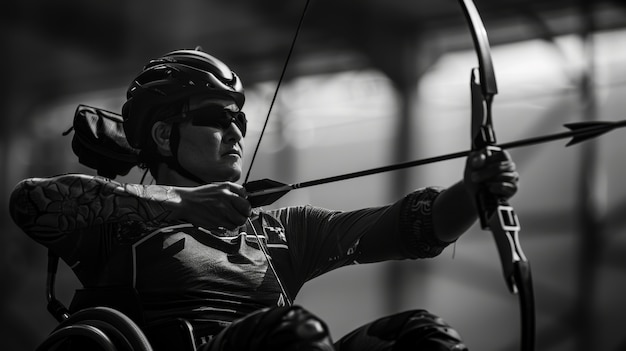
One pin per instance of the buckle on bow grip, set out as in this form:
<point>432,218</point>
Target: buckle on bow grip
<point>100,142</point>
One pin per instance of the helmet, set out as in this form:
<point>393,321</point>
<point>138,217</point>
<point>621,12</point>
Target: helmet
<point>173,78</point>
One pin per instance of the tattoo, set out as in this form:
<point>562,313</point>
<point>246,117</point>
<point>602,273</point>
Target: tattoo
<point>67,203</point>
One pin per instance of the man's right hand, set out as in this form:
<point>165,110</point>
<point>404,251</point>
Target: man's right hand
<point>214,205</point>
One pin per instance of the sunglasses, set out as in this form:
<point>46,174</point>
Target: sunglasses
<point>216,116</point>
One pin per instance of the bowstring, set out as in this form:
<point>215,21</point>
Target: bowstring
<point>256,149</point>
<point>280,80</point>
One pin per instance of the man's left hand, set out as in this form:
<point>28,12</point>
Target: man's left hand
<point>493,170</point>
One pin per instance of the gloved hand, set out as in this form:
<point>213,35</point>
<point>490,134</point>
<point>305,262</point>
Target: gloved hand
<point>491,170</point>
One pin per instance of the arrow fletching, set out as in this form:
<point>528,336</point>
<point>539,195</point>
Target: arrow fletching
<point>265,192</point>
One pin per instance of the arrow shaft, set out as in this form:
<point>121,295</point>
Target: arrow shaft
<point>598,129</point>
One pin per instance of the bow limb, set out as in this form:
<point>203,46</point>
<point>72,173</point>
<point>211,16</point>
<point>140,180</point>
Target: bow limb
<point>494,213</point>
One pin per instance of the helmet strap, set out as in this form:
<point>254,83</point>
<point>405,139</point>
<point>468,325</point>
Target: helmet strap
<point>172,161</point>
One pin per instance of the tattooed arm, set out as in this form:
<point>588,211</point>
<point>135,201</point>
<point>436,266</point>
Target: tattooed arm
<point>48,207</point>
<point>64,204</point>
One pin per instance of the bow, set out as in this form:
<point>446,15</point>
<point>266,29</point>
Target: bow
<point>496,214</point>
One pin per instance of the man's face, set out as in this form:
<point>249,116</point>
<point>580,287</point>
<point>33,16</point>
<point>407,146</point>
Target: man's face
<point>211,152</point>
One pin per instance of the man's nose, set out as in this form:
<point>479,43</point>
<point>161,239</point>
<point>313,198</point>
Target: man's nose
<point>233,133</point>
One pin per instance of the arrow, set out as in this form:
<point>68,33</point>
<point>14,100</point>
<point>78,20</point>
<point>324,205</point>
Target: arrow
<point>266,191</point>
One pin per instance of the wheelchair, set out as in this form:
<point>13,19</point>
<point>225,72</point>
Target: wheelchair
<point>109,319</point>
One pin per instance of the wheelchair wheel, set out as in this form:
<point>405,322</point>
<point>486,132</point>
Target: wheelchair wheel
<point>105,327</point>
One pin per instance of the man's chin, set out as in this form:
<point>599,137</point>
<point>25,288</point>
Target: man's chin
<point>224,174</point>
<point>236,175</point>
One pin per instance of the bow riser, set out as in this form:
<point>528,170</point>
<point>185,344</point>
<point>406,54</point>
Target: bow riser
<point>496,214</point>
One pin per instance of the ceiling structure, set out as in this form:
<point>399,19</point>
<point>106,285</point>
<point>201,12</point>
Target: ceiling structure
<point>76,45</point>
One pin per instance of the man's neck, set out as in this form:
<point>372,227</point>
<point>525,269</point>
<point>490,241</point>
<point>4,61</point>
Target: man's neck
<point>168,176</point>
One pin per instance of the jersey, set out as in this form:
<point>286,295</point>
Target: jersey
<point>214,277</point>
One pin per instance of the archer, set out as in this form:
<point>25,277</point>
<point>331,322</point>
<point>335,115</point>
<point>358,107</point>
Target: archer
<point>191,246</point>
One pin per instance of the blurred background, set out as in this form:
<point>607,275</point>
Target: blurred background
<point>370,83</point>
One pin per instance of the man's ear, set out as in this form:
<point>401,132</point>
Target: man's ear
<point>161,133</point>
